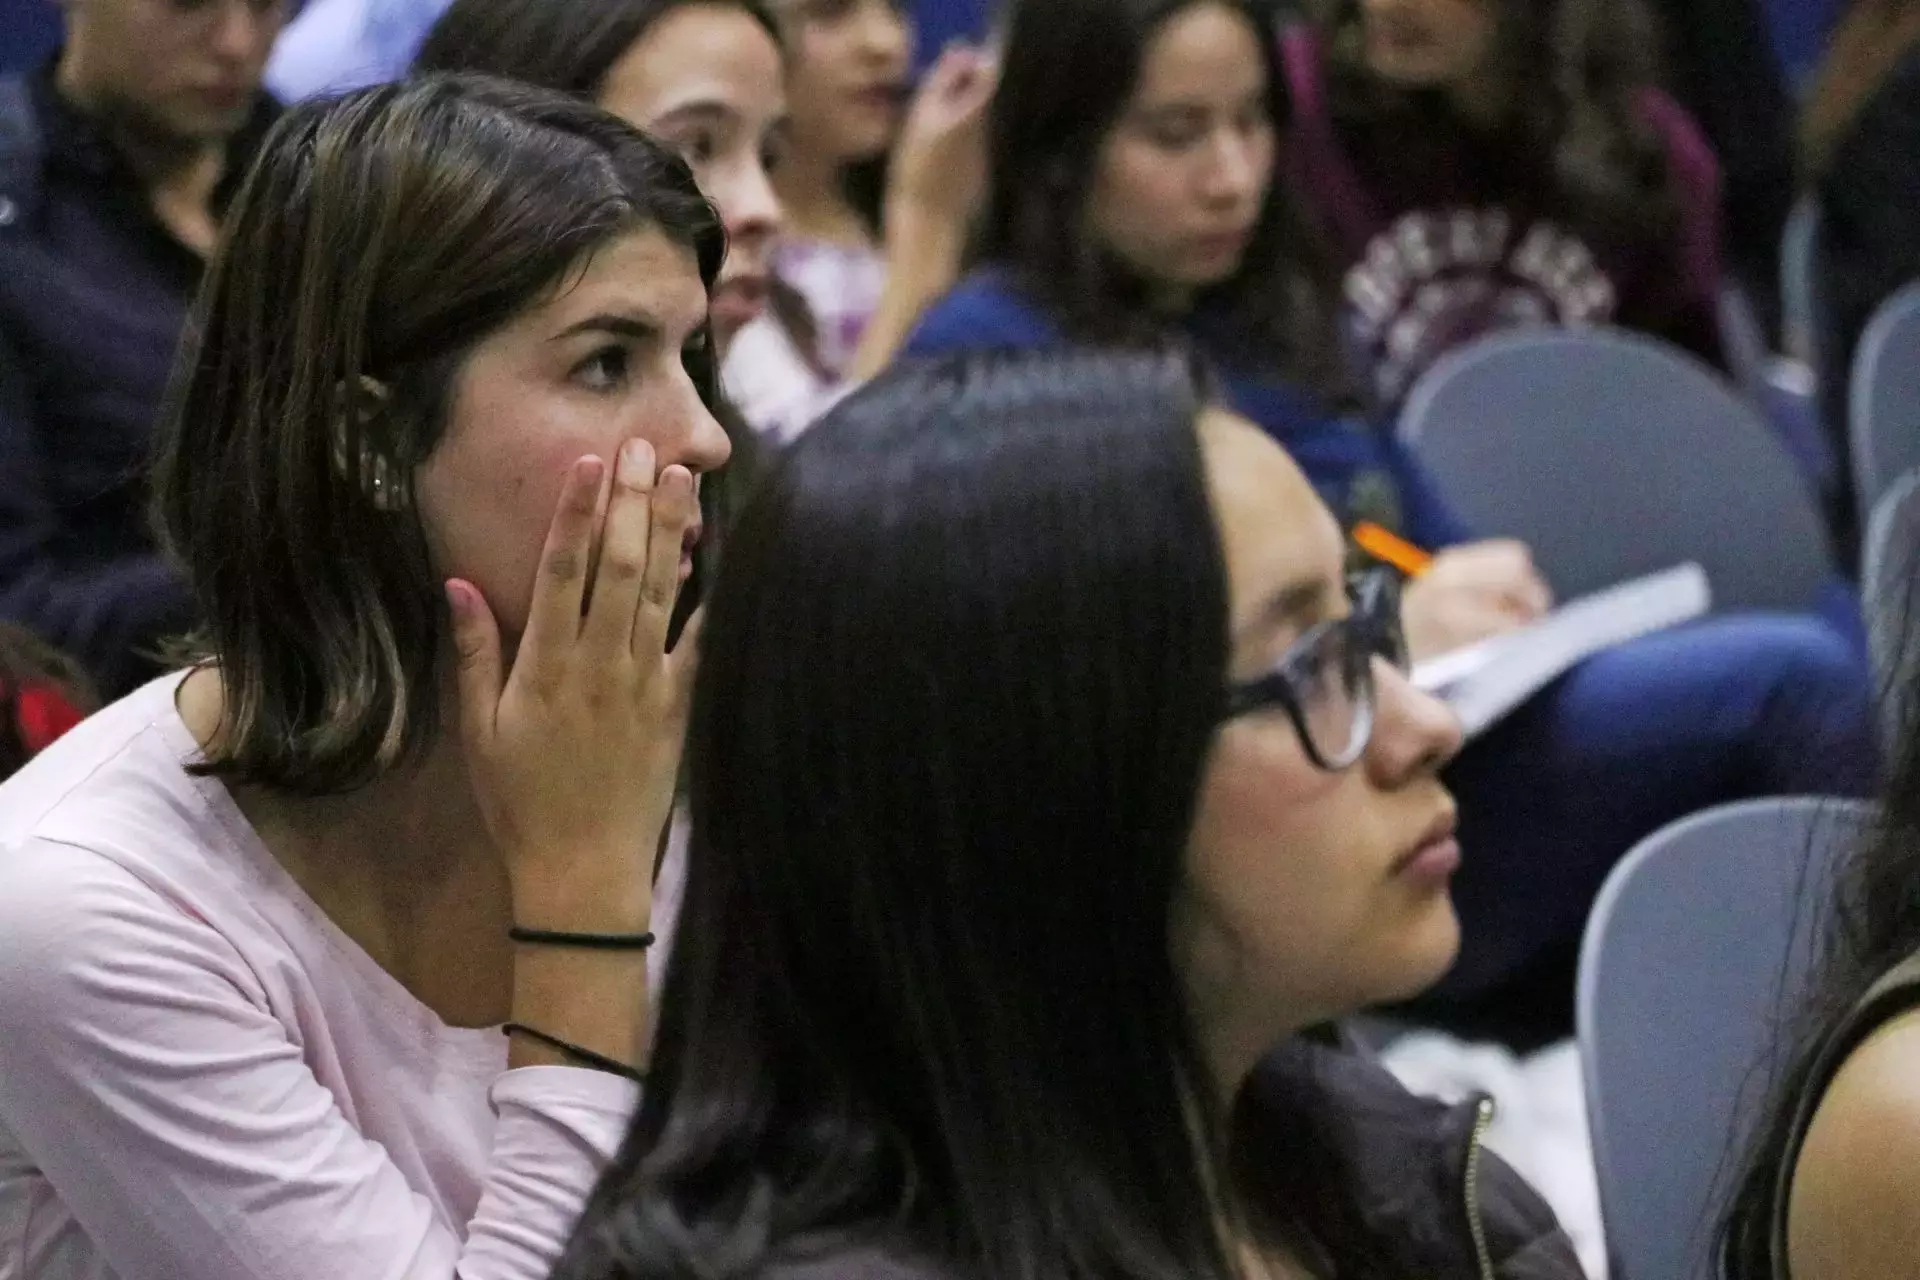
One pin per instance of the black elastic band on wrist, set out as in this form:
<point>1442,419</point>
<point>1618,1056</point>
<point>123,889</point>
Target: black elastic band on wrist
<point>585,941</point>
<point>585,1057</point>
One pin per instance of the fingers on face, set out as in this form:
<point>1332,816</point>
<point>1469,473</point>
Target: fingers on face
<point>624,543</point>
<point>553,616</point>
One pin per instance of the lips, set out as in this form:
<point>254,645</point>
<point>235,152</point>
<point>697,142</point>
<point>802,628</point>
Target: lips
<point>739,299</point>
<point>1439,832</point>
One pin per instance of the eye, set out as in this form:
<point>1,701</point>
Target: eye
<point>604,370</point>
<point>1176,133</point>
<point>699,147</point>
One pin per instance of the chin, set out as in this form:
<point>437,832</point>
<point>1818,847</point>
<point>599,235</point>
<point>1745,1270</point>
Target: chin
<point>1406,73</point>
<point>1428,947</point>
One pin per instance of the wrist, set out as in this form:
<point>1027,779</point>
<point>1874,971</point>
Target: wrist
<point>921,234</point>
<point>580,905</point>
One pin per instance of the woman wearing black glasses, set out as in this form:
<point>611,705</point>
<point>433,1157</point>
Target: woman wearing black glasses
<point>1047,791</point>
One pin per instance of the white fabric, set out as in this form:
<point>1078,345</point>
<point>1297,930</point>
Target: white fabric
<point>1540,1121</point>
<point>778,393</point>
<point>202,1078</point>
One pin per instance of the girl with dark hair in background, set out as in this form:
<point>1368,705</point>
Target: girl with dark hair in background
<point>1136,198</point>
<point>1048,785</point>
<point>878,188</point>
<point>262,921</point>
<point>1485,163</point>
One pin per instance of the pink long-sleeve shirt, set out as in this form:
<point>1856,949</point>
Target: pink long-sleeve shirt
<point>202,1078</point>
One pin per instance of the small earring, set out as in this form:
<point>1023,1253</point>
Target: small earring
<point>383,486</point>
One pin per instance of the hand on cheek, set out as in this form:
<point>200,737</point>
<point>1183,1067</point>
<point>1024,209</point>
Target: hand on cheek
<point>575,749</point>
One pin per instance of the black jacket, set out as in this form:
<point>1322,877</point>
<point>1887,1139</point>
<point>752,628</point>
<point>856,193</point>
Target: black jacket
<point>93,295</point>
<point>1418,1168</point>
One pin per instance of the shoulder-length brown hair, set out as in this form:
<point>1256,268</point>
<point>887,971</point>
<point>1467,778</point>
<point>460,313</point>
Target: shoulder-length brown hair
<point>1867,45</point>
<point>1575,74</point>
<point>378,237</point>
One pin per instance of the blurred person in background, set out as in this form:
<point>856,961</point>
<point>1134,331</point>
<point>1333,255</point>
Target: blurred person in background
<point>139,130</point>
<point>1860,157</point>
<point>42,695</point>
<point>879,183</point>
<point>702,76</point>
<point>1478,164</point>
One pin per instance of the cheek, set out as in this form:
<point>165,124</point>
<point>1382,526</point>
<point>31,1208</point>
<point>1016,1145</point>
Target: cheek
<point>487,495</point>
<point>1270,827</point>
<point>1278,868</point>
<point>1147,195</point>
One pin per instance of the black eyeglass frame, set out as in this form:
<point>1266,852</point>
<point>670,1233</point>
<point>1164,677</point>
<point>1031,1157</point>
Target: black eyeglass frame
<point>1371,629</point>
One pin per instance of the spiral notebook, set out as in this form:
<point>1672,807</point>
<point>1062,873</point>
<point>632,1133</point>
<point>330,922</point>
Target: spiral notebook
<point>1485,681</point>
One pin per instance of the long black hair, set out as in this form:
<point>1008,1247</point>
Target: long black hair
<point>962,672</point>
<point>1869,924</point>
<point>1575,75</point>
<point>1046,134</point>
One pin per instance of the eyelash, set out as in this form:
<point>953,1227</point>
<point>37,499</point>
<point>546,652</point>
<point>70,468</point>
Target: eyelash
<point>695,356</point>
<point>598,360</point>
<point>700,148</point>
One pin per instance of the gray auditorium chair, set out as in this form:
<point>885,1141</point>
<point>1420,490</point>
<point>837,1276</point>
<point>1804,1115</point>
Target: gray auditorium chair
<point>1696,954</point>
<point>1615,455</point>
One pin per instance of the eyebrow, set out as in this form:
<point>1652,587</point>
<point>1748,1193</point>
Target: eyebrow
<point>1298,605</point>
<point>707,109</point>
<point>636,325</point>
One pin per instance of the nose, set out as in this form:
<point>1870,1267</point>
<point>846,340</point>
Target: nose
<point>750,208</point>
<point>1239,168</point>
<point>1414,733</point>
<point>882,34</point>
<point>701,444</point>
<point>244,30</point>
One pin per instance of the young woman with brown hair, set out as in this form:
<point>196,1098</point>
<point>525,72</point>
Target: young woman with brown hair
<point>1484,163</point>
<point>432,470</point>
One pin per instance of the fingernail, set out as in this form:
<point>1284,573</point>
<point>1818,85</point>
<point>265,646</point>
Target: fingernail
<point>457,601</point>
<point>636,458</point>
<point>590,469</point>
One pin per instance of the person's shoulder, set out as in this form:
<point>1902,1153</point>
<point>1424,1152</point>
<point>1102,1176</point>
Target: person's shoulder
<point>984,310</point>
<point>1407,1158</point>
<point>1854,1209</point>
<point>121,766</point>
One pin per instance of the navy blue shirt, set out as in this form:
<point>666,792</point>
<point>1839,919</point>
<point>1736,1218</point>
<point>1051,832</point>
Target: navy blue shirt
<point>94,292</point>
<point>1359,470</point>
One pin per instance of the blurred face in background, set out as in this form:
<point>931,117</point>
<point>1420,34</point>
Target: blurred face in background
<point>1183,175</point>
<point>849,75</point>
<point>1427,44</point>
<point>707,80</point>
<point>179,69</point>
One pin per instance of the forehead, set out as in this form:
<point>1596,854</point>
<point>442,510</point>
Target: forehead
<point>714,55</point>
<point>1205,51</point>
<point>1274,529</point>
<point>641,272</point>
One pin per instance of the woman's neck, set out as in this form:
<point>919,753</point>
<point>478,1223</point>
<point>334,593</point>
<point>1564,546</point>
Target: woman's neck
<point>814,198</point>
<point>403,866</point>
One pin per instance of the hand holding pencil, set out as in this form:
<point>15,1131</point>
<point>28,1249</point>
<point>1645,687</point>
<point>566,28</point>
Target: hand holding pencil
<point>1462,595</point>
